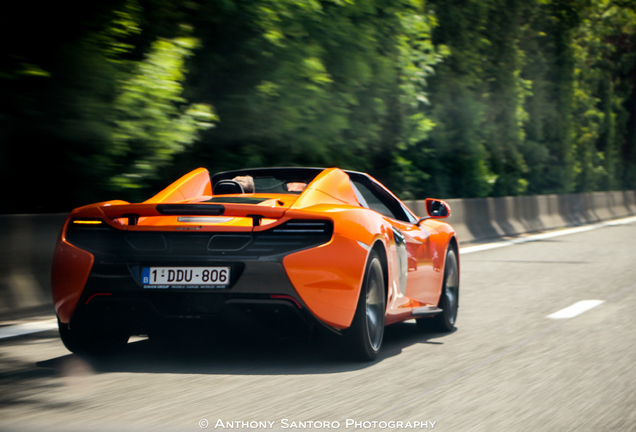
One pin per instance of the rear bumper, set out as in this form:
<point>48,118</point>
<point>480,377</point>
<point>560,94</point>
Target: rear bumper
<point>259,295</point>
<point>158,313</point>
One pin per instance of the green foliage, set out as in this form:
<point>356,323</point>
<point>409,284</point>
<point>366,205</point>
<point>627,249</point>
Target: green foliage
<point>330,83</point>
<point>153,123</point>
<point>96,109</point>
<point>448,98</point>
<point>535,97</point>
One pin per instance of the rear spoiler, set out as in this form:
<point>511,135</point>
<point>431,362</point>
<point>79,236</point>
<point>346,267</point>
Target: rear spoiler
<point>133,212</point>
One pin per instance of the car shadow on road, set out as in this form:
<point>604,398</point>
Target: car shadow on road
<point>246,356</point>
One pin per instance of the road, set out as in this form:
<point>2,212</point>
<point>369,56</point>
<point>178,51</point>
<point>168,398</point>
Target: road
<point>507,367</point>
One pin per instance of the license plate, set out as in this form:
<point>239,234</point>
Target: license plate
<point>185,277</point>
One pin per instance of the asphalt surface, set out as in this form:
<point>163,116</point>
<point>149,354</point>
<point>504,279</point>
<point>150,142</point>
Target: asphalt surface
<point>507,367</point>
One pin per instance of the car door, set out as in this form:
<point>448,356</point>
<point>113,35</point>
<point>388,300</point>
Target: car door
<point>417,275</point>
<point>421,276</point>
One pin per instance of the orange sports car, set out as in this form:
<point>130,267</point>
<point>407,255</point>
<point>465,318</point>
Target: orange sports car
<point>297,249</point>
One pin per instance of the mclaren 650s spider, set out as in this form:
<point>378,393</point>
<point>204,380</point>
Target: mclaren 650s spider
<point>298,250</point>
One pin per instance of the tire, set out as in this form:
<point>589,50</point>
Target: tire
<point>449,298</point>
<point>93,343</point>
<point>364,337</point>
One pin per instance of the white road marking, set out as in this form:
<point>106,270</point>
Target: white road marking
<point>489,360</point>
<point>28,328</point>
<point>576,309</point>
<point>543,236</point>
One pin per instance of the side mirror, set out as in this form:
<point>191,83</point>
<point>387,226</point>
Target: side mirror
<point>436,209</point>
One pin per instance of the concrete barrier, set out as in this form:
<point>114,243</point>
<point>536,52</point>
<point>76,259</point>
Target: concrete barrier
<point>26,252</point>
<point>485,219</point>
<point>27,241</point>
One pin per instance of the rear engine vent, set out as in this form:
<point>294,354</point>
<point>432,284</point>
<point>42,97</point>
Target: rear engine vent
<point>147,242</point>
<point>289,237</point>
<point>229,242</point>
<point>191,209</point>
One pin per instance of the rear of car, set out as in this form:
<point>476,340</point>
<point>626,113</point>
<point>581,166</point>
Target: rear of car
<point>218,261</point>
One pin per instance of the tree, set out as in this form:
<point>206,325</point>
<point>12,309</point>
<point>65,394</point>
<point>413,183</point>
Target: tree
<point>95,109</point>
<point>328,83</point>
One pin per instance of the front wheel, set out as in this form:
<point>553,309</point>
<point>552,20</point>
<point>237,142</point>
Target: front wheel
<point>364,337</point>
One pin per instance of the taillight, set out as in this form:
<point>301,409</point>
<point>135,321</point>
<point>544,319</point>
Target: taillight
<point>87,233</point>
<point>87,222</point>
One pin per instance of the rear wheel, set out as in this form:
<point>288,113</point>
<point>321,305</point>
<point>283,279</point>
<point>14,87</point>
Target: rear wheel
<point>94,343</point>
<point>364,337</point>
<point>449,298</point>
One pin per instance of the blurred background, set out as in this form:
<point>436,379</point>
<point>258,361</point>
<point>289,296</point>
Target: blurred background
<point>454,99</point>
<point>449,98</point>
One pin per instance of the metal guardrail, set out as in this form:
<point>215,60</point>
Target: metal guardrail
<point>27,241</point>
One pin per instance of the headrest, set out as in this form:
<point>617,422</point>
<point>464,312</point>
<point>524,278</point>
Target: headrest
<point>226,187</point>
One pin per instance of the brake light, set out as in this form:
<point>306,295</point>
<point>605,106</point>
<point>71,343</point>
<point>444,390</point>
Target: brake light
<point>88,221</point>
